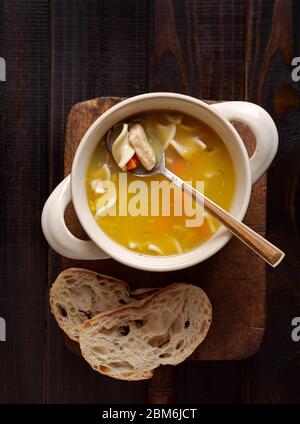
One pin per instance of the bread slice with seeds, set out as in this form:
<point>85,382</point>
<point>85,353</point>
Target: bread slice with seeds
<point>165,328</point>
<point>78,295</point>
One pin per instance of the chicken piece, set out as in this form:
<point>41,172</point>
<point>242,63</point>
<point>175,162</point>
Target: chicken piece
<point>139,141</point>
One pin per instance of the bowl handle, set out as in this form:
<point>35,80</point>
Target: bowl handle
<point>263,127</point>
<point>56,231</point>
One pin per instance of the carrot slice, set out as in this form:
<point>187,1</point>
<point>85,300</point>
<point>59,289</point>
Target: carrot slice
<point>132,163</point>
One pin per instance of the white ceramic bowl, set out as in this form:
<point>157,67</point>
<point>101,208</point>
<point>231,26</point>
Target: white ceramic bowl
<point>217,116</point>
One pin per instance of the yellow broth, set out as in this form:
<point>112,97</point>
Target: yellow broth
<point>168,235</point>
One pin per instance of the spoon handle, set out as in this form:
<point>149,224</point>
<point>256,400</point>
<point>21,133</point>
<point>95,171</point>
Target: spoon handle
<point>270,253</point>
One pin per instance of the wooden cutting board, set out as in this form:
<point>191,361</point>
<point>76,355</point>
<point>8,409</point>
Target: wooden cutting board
<point>234,278</point>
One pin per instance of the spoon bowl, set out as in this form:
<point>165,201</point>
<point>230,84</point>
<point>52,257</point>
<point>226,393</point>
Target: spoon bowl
<point>140,171</point>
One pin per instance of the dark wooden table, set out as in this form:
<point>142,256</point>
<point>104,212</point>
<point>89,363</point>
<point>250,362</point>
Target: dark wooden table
<point>60,52</point>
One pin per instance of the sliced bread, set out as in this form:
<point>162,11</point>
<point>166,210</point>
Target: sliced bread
<point>165,328</point>
<point>78,295</point>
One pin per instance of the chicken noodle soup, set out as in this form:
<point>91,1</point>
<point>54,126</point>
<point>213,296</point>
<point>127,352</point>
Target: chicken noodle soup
<point>193,151</point>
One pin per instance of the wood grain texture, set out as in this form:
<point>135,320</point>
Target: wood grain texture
<point>23,190</point>
<point>205,53</point>
<point>161,387</point>
<point>273,39</point>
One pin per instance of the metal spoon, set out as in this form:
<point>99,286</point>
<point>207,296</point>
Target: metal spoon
<point>262,247</point>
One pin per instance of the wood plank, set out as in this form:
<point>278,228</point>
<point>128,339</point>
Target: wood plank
<point>198,47</point>
<point>273,39</point>
<point>210,382</point>
<point>23,190</point>
<point>203,56</point>
<point>96,48</point>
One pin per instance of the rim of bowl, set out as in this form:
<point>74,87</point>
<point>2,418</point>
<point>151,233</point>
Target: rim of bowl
<point>150,262</point>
